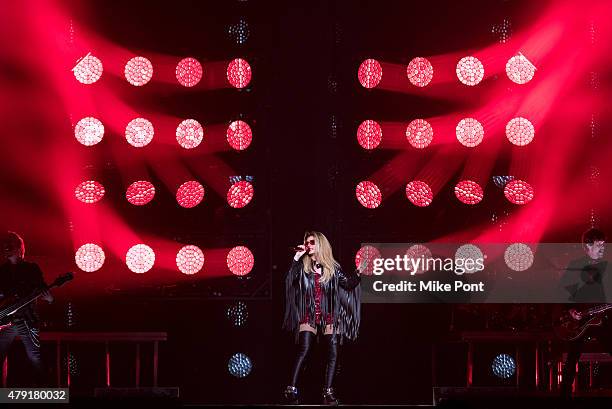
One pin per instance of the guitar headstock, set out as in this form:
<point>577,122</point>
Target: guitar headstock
<point>63,279</point>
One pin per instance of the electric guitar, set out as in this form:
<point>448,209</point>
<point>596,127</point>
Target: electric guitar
<point>12,304</point>
<point>569,328</point>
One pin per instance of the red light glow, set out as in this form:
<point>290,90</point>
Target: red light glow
<point>419,193</point>
<point>368,194</point>
<point>369,134</point>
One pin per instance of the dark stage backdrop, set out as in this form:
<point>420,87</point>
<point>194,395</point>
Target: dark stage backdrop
<point>305,103</point>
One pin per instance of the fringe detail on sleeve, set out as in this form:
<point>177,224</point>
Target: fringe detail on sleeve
<point>293,302</point>
<point>299,299</point>
<point>347,310</point>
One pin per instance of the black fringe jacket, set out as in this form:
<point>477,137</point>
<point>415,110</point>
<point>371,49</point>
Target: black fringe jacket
<point>340,297</point>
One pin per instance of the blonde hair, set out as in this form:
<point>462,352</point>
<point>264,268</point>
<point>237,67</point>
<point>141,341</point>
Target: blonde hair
<point>325,256</point>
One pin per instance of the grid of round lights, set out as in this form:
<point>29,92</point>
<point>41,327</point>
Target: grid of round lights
<point>138,71</point>
<point>500,181</point>
<point>518,192</point>
<point>88,70</point>
<point>368,194</point>
<point>190,194</point>
<point>520,131</point>
<point>238,314</point>
<point>519,69</point>
<point>89,191</point>
<point>140,258</point>
<point>189,72</point>
<point>89,257</point>
<point>469,192</point>
<point>190,259</point>
<point>419,133</point>
<point>139,132</point>
<point>370,73</point>
<point>470,71</point>
<point>189,133</point>
<point>70,361</point>
<point>503,366</point>
<point>239,31</point>
<point>518,257</point>
<point>416,252</point>
<point>367,253</point>
<point>140,193</point>
<point>369,134</point>
<point>239,73</point>
<point>503,30</point>
<point>419,193</point>
<point>89,131</point>
<point>469,132</point>
<point>239,365</point>
<point>240,260</point>
<point>419,71</point>
<point>240,194</point>
<point>468,252</point>
<point>239,135</point>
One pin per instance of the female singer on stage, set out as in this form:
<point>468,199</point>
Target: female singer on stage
<point>320,298</point>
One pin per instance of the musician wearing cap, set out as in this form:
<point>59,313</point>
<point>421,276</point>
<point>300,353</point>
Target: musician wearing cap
<point>20,278</point>
<point>586,280</point>
<point>320,300</point>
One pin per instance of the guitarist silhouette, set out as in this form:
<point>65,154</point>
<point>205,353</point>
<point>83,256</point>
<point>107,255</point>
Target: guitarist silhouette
<point>19,278</point>
<point>585,280</point>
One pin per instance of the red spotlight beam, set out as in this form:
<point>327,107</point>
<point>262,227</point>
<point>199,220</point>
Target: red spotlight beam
<point>214,172</point>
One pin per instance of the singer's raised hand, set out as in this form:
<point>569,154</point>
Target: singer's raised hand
<point>299,253</point>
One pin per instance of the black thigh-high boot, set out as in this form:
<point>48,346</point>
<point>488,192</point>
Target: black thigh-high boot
<point>331,341</point>
<point>304,342</point>
<point>569,367</point>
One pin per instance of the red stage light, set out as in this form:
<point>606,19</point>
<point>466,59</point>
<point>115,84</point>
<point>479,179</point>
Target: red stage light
<point>518,192</point>
<point>140,193</point>
<point>240,194</point>
<point>89,131</point>
<point>190,259</point>
<point>190,194</point>
<point>419,133</point>
<point>239,135</point>
<point>519,69</point>
<point>239,73</point>
<point>139,132</point>
<point>89,192</point>
<point>470,70</point>
<point>140,258</point>
<point>189,72</point>
<point>419,193</point>
<point>369,134</point>
<point>520,131</point>
<point>368,253</point>
<point>370,73</point>
<point>138,71</point>
<point>469,132</point>
<point>240,260</point>
<point>189,133</point>
<point>89,257</point>
<point>419,251</point>
<point>88,70</point>
<point>469,192</point>
<point>518,257</point>
<point>368,194</point>
<point>419,71</point>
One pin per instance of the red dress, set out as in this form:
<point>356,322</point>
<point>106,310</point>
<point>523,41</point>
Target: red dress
<point>329,318</point>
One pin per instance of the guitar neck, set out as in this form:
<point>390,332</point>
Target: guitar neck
<point>22,302</point>
<point>599,309</point>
